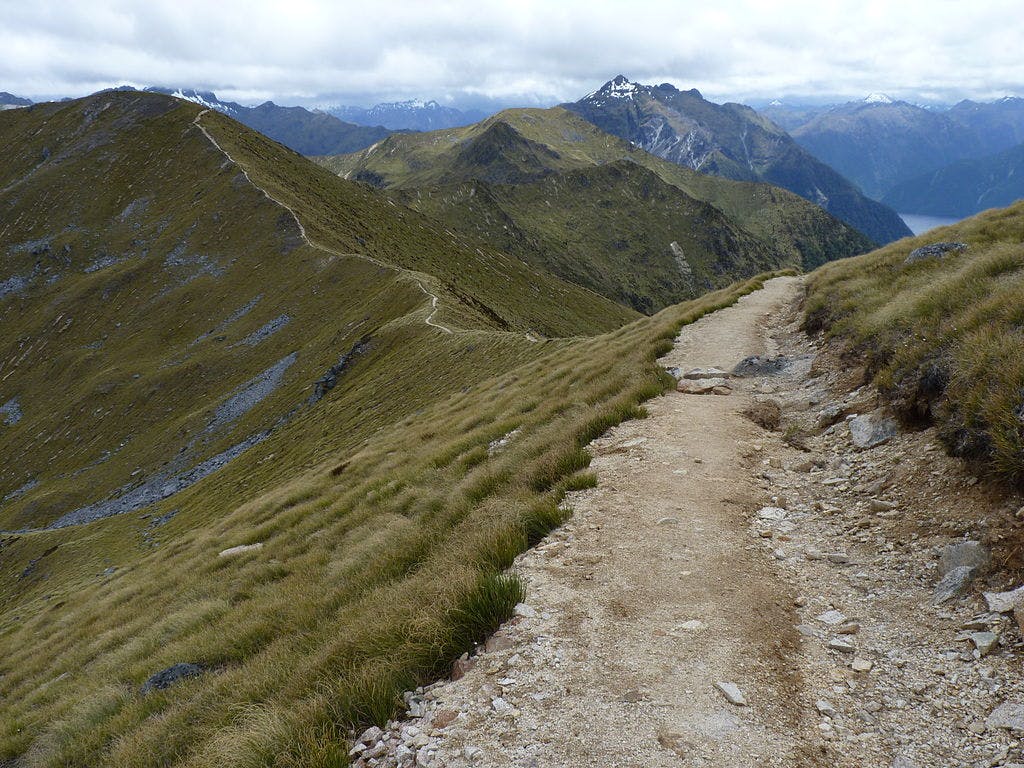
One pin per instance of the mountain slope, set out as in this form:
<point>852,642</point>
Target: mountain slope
<point>10,101</point>
<point>617,229</point>
<point>202,245</point>
<point>997,124</point>
<point>440,173</point>
<point>942,332</point>
<point>964,188</point>
<point>308,133</point>
<point>732,141</point>
<point>879,144</point>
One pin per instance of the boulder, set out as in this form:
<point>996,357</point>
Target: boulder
<point>953,584</point>
<point>165,678</point>
<point>933,251</point>
<point>241,549</point>
<point>703,387</point>
<point>828,416</point>
<point>1005,602</point>
<point>972,554</point>
<point>1008,715</point>
<point>871,429</point>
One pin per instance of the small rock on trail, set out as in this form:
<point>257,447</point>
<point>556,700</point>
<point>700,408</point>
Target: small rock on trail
<point>871,429</point>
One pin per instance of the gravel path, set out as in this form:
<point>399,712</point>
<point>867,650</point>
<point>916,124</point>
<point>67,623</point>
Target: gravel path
<point>731,595</point>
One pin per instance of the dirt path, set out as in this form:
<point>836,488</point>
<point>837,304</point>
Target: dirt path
<point>792,563</point>
<point>647,598</point>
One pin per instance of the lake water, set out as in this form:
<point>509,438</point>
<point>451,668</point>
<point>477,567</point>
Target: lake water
<point>920,224</point>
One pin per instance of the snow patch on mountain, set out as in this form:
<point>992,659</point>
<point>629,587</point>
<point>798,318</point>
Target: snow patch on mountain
<point>878,98</point>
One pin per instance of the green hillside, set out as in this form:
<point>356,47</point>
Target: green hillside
<point>942,333</point>
<point>499,180</point>
<point>159,309</point>
<point>172,281</point>
<point>617,229</point>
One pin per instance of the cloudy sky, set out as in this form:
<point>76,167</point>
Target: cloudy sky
<point>466,53</point>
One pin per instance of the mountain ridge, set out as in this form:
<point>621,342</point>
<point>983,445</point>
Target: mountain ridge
<point>411,114</point>
<point>729,140</point>
<point>535,149</point>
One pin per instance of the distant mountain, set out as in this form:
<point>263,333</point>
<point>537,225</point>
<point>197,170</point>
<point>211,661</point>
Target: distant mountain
<point>563,195</point>
<point>412,115</point>
<point>308,133</point>
<point>998,124</point>
<point>10,101</point>
<point>733,141</point>
<point>964,188</point>
<point>791,116</point>
<point>879,142</point>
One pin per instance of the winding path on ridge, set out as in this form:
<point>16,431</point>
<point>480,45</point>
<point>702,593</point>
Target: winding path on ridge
<point>319,246</point>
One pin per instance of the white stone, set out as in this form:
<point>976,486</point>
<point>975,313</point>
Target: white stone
<point>841,645</point>
<point>525,611</point>
<point>732,693</point>
<point>240,549</point>
<point>771,513</point>
<point>832,617</point>
<point>1009,715</point>
<point>1005,602</point>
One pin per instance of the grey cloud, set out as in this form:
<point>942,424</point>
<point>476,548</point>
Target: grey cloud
<point>525,51</point>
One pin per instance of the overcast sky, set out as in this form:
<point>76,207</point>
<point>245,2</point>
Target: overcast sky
<point>309,51</point>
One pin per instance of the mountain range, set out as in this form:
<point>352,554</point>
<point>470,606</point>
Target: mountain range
<point>965,187</point>
<point>733,141</point>
<point>888,146</point>
<point>410,115</point>
<point>308,133</point>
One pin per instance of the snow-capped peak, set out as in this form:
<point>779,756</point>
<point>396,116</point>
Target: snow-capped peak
<point>206,99</point>
<point>878,98</point>
<point>774,103</point>
<point>619,87</point>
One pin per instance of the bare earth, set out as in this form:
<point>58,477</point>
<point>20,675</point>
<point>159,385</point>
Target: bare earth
<point>671,578</point>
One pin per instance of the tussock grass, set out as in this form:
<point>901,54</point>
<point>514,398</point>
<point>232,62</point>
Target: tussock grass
<point>943,337</point>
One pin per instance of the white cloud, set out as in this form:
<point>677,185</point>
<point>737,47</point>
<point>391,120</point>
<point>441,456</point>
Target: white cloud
<point>537,51</point>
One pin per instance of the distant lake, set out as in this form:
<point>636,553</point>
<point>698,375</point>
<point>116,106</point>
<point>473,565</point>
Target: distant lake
<point>920,224</point>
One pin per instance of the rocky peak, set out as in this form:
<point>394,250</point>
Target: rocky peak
<point>619,87</point>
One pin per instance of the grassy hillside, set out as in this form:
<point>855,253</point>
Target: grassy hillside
<point>617,229</point>
<point>159,310</point>
<point>942,334</point>
<point>383,509</point>
<point>554,151</point>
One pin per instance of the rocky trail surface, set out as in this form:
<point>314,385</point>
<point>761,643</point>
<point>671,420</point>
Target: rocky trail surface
<point>769,573</point>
